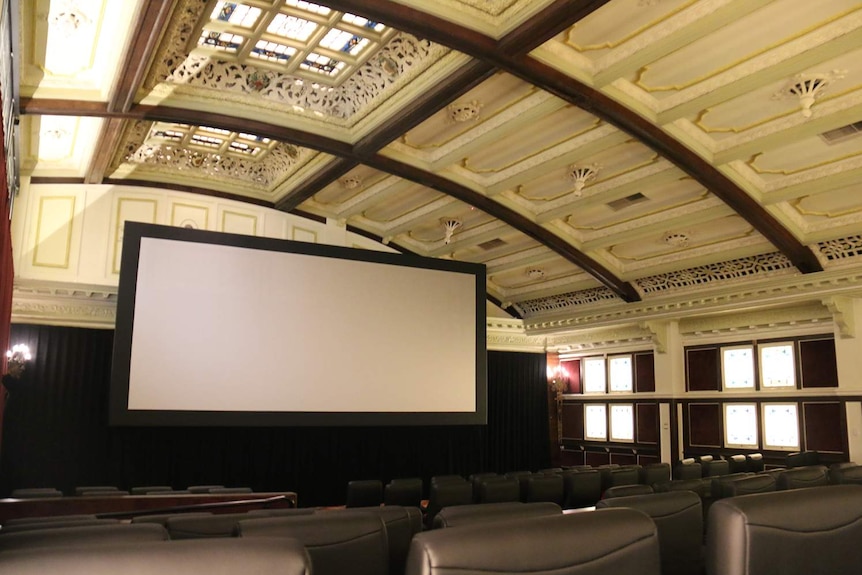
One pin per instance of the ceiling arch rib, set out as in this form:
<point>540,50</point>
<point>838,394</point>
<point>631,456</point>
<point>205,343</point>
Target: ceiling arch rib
<point>530,34</point>
<point>520,64</point>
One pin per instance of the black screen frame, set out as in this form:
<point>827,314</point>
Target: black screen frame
<point>120,415</point>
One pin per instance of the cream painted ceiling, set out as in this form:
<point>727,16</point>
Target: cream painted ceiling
<point>602,159</point>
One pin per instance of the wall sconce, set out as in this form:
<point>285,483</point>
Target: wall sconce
<point>558,379</point>
<point>17,358</point>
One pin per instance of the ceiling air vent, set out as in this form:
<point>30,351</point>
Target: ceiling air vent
<point>840,134</point>
<point>627,201</point>
<point>492,244</point>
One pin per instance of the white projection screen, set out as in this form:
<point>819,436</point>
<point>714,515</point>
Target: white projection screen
<point>231,330</point>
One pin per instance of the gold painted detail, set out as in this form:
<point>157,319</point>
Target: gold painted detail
<point>67,224</point>
<point>751,164</point>
<point>639,77</point>
<point>614,44</point>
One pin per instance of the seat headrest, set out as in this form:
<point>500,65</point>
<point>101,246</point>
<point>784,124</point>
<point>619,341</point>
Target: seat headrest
<point>82,536</point>
<point>460,515</point>
<point>210,556</point>
<point>608,541</point>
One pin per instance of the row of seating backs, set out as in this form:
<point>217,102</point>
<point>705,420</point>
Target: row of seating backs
<point>362,541</point>
<point>112,490</point>
<point>796,532</point>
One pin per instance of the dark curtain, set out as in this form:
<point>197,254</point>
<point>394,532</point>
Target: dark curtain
<point>57,434</point>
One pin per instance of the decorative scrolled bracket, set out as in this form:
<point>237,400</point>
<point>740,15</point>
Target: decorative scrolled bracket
<point>843,310</point>
<point>658,333</point>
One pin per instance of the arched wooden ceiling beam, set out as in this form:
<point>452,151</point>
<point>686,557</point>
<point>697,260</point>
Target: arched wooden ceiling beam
<point>531,33</point>
<point>511,54</point>
<point>346,160</point>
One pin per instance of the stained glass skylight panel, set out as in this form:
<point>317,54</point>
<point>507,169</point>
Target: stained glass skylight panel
<point>221,40</point>
<point>308,7</point>
<point>167,134</point>
<point>206,141</point>
<point>273,51</point>
<point>212,140</point>
<point>292,37</point>
<point>321,64</point>
<point>363,22</point>
<point>236,13</point>
<point>292,27</point>
<point>341,41</point>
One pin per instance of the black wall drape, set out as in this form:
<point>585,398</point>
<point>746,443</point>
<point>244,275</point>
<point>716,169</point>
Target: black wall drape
<point>56,433</point>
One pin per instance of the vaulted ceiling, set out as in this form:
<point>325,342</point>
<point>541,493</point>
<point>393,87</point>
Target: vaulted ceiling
<point>607,161</point>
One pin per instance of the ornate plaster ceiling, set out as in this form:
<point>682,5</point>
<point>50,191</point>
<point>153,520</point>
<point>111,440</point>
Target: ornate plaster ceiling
<point>598,156</point>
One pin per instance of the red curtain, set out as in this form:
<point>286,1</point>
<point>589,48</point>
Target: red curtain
<point>7,271</point>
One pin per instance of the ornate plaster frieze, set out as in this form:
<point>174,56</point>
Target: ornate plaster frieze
<point>536,307</point>
<point>750,321</point>
<point>263,175</point>
<point>604,339</point>
<point>841,250</point>
<point>743,295</point>
<point>742,269</point>
<point>64,304</point>
<point>177,37</point>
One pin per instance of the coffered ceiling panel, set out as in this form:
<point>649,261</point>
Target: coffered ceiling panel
<point>597,156</point>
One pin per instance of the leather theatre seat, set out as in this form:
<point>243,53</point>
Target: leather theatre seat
<point>595,542</point>
<point>190,557</point>
<point>796,532</point>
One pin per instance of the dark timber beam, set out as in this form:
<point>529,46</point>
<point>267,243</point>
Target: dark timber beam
<point>533,32</point>
<point>521,223</point>
<point>152,18</point>
<point>334,170</point>
<point>136,61</point>
<point>507,56</point>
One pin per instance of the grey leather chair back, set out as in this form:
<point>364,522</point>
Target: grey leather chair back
<point>679,519</point>
<point>800,477</point>
<point>83,536</point>
<point>193,526</point>
<point>626,490</point>
<point>589,543</point>
<point>338,543</point>
<point>485,512</point>
<point>191,557</point>
<point>797,532</point>
<point>758,483</point>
